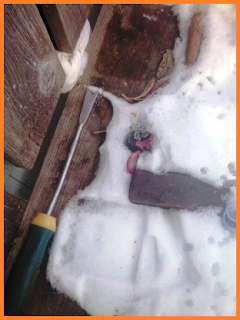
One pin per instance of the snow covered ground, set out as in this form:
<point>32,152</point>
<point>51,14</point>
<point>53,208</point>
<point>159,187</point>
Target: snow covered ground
<point>117,258</point>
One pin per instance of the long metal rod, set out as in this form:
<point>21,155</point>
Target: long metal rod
<point>67,165</point>
<point>86,109</point>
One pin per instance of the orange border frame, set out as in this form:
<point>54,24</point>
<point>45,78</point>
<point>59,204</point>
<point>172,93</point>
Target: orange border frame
<point>2,126</point>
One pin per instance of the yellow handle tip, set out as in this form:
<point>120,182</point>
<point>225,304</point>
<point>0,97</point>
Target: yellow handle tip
<point>44,221</point>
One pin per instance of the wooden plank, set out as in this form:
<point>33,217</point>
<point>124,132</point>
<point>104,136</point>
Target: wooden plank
<point>119,30</point>
<point>133,46</point>
<point>173,191</point>
<point>32,83</point>
<point>195,37</point>
<point>13,211</point>
<point>65,22</point>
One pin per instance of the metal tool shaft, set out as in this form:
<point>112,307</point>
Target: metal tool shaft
<point>89,105</point>
<point>67,165</point>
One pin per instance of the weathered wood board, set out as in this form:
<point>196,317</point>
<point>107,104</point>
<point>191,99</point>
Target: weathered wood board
<point>173,191</point>
<point>125,51</point>
<point>32,83</point>
<point>65,22</point>
<point>13,211</point>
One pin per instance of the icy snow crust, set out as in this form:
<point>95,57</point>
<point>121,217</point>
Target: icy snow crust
<point>117,258</point>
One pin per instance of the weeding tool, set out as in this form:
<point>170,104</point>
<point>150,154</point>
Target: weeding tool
<point>41,229</point>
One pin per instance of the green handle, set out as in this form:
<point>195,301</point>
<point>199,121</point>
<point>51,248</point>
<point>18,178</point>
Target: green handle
<point>28,262</point>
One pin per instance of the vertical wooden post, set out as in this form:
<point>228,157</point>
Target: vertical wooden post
<point>32,83</point>
<point>65,22</point>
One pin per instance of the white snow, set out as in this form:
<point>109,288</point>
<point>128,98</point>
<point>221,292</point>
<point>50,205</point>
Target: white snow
<point>117,258</point>
<point>74,64</point>
<point>154,18</point>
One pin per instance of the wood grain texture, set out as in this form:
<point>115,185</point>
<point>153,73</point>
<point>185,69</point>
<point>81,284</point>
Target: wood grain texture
<point>65,22</point>
<point>114,66</point>
<point>32,83</point>
<point>13,211</point>
<point>173,191</point>
<point>132,47</point>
